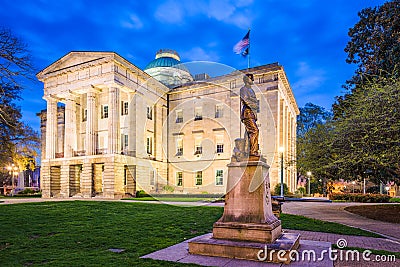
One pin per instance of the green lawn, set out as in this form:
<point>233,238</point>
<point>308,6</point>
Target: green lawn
<point>174,199</point>
<point>79,233</point>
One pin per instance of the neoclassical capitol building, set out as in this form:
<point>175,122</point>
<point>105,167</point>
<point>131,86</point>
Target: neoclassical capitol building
<point>111,129</point>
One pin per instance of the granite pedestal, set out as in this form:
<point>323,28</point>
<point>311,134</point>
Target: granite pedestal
<point>248,224</point>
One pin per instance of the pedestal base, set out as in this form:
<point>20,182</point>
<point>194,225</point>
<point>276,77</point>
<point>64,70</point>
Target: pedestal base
<point>278,251</point>
<point>253,232</point>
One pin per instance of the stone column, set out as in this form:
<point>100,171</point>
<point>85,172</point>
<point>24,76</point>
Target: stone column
<point>91,123</point>
<point>45,179</point>
<point>86,179</point>
<point>64,181</point>
<point>109,180</point>
<point>113,121</point>
<point>70,140</point>
<point>51,128</point>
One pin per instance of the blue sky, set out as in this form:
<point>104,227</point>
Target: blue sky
<point>307,37</point>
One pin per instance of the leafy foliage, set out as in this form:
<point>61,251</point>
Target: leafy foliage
<point>18,142</point>
<point>375,41</point>
<point>367,137</point>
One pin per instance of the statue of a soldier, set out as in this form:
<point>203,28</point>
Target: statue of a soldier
<point>248,115</point>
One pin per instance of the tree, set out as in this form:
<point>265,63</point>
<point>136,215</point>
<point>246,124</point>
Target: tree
<point>367,136</point>
<point>17,140</point>
<point>313,139</point>
<point>310,116</point>
<point>375,42</point>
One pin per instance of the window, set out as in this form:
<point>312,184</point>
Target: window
<point>104,111</point>
<point>220,148</point>
<point>179,116</point>
<point>179,147</point>
<point>198,149</point>
<point>179,179</point>
<point>124,108</point>
<point>124,141</point>
<point>198,114</point>
<point>149,145</point>
<point>262,79</point>
<point>232,84</point>
<point>125,177</point>
<point>219,111</point>
<point>149,112</point>
<point>84,115</point>
<point>219,177</point>
<point>199,178</point>
<point>276,77</point>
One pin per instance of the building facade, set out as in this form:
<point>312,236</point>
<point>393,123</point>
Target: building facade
<point>111,129</point>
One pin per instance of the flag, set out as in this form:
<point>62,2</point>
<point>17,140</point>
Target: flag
<point>243,46</point>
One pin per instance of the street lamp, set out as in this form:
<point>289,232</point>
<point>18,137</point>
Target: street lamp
<point>309,182</point>
<point>353,185</point>
<point>387,189</point>
<point>281,150</point>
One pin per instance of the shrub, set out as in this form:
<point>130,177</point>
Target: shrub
<point>364,198</point>
<point>168,188</point>
<point>395,200</point>
<point>277,189</point>
<point>141,193</point>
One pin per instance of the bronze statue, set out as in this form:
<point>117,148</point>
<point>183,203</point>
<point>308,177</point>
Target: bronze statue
<point>248,115</point>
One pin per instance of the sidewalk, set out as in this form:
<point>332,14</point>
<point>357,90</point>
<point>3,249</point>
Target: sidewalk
<point>334,212</point>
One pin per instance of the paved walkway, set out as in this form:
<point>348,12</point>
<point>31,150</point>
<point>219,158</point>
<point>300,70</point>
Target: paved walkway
<point>334,212</point>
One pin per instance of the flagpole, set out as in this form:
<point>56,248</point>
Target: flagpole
<point>248,58</point>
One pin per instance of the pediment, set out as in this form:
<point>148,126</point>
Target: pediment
<point>73,59</point>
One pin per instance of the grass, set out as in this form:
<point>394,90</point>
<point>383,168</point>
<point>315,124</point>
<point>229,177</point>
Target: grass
<point>173,199</point>
<point>79,233</point>
<point>297,222</point>
<point>384,213</point>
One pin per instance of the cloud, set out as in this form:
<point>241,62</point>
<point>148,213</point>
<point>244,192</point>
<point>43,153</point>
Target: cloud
<point>199,54</point>
<point>309,79</point>
<point>231,12</point>
<point>134,22</point>
<point>170,12</point>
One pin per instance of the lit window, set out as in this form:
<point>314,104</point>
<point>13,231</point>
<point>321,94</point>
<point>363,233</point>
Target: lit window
<point>198,114</point>
<point>179,179</point>
<point>199,178</point>
<point>198,149</point>
<point>218,111</point>
<point>179,147</point>
<point>149,145</point>
<point>219,177</point>
<point>149,112</point>
<point>179,116</point>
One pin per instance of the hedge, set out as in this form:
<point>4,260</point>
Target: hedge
<point>355,197</point>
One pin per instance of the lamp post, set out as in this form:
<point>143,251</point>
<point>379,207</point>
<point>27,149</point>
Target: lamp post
<point>387,190</point>
<point>353,185</point>
<point>309,182</point>
<point>281,150</point>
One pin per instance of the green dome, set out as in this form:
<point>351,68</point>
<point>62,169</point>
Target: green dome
<point>162,62</point>
<point>166,58</point>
